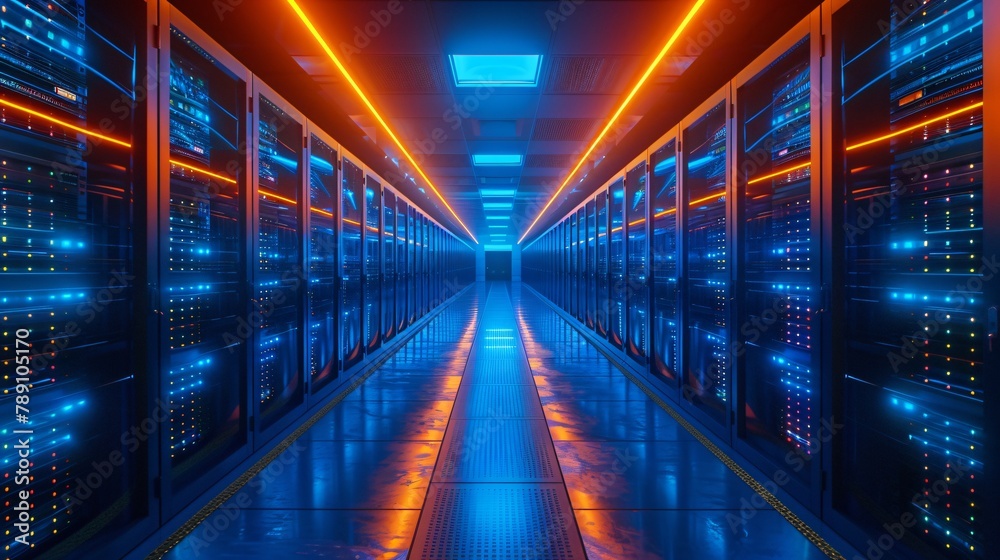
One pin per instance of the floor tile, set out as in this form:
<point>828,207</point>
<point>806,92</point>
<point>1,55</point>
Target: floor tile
<point>688,534</point>
<point>612,421</point>
<point>329,534</point>
<point>347,475</point>
<point>383,421</point>
<point>648,475</point>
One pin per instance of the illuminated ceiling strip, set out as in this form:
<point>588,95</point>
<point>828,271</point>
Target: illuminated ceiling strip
<point>203,171</point>
<point>779,173</point>
<point>635,90</point>
<point>357,89</point>
<point>916,127</point>
<point>65,124</point>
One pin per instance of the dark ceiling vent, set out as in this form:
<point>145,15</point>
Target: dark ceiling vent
<point>560,161</point>
<point>585,74</point>
<point>403,73</point>
<point>578,130</point>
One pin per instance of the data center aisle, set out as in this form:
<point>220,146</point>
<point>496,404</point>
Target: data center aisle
<point>352,487</point>
<point>497,432</point>
<point>497,490</point>
<point>641,486</point>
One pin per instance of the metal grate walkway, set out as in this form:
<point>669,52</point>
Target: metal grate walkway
<point>497,491</point>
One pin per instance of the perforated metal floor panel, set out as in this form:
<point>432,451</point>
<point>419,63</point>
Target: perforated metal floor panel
<point>498,401</point>
<point>505,522</point>
<point>497,491</point>
<point>497,450</point>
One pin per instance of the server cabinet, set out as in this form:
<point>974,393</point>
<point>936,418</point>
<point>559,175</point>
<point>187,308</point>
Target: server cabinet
<point>352,216</point>
<point>323,202</point>
<point>591,267</point>
<point>418,269</point>
<point>616,244</point>
<point>572,229</point>
<point>708,364</point>
<point>581,265</point>
<point>665,335</point>
<point>559,257</point>
<point>916,232</point>
<point>778,363</point>
<point>637,264</point>
<point>372,273</point>
<point>570,295</point>
<point>205,235</point>
<point>75,368</point>
<point>279,290</point>
<point>603,268</point>
<point>411,304</point>
<point>436,267</point>
<point>424,261</point>
<point>389,276</point>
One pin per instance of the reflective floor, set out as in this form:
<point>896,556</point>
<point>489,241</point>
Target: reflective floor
<point>496,432</point>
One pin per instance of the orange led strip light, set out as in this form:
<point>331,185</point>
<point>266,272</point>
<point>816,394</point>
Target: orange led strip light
<point>614,118</point>
<point>357,89</point>
<point>203,171</point>
<point>778,173</point>
<point>65,124</point>
<point>916,127</point>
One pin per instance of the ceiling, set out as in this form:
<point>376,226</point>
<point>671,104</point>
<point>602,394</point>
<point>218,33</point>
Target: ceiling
<point>593,52</point>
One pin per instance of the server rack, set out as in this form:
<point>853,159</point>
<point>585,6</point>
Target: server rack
<point>352,220</point>
<point>616,262</point>
<point>279,243</point>
<point>706,212</point>
<point>205,219</point>
<point>591,267</point>
<point>665,329</point>
<point>372,269</point>
<point>324,225</point>
<point>572,254</point>
<point>581,265</point>
<point>603,264</point>
<point>413,265</point>
<point>390,277</point>
<point>70,189</point>
<point>779,224</point>
<point>912,380</point>
<point>636,262</point>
